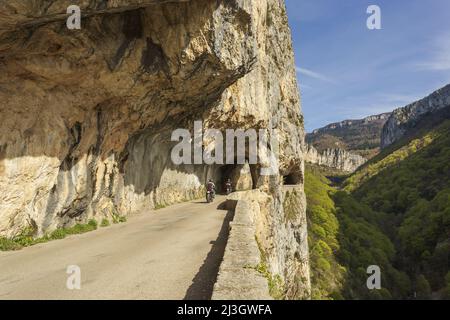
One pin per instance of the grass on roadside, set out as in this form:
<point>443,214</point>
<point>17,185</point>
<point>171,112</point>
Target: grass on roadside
<point>105,223</point>
<point>119,219</point>
<point>160,206</point>
<point>9,245</point>
<point>26,238</point>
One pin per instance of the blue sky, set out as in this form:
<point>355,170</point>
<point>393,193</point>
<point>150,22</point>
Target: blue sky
<point>347,71</point>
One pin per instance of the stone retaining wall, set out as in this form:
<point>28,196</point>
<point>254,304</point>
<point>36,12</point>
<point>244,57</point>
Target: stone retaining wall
<point>238,278</point>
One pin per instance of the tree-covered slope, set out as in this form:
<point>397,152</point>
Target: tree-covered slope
<point>343,243</point>
<point>326,273</point>
<point>393,212</point>
<point>412,196</point>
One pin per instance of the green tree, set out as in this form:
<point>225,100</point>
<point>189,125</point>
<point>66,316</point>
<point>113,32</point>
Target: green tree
<point>423,289</point>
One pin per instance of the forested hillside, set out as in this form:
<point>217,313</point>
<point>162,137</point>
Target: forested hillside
<point>394,212</point>
<point>326,273</point>
<point>344,241</point>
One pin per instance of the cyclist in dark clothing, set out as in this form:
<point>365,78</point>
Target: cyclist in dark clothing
<point>228,186</point>
<point>210,189</point>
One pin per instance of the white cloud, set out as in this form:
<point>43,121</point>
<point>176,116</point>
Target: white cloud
<point>313,74</point>
<point>399,99</point>
<point>440,59</point>
<point>360,107</point>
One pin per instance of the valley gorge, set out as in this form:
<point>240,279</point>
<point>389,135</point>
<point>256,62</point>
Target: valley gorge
<point>392,212</point>
<point>346,145</point>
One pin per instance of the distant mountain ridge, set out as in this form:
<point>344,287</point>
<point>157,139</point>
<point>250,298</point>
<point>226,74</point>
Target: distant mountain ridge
<point>358,136</point>
<point>347,144</point>
<point>352,122</point>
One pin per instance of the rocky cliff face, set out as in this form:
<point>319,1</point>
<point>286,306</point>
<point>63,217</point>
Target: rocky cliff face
<point>87,115</point>
<point>350,123</point>
<point>339,159</point>
<point>361,136</point>
<point>403,119</point>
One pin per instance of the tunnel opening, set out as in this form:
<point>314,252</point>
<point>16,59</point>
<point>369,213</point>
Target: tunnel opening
<point>292,179</point>
<point>242,177</point>
<point>226,173</point>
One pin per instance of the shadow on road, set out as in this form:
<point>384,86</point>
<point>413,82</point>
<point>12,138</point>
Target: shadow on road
<point>203,282</point>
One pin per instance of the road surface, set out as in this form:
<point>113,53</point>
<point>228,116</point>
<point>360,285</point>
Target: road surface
<point>171,253</point>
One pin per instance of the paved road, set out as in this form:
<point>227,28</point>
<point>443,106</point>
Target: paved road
<point>172,253</point>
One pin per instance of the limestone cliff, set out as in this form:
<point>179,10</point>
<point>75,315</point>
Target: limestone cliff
<point>403,119</point>
<point>87,115</point>
<point>334,158</point>
<point>359,136</point>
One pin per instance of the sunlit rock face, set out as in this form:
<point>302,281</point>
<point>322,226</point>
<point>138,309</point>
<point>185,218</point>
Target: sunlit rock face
<point>335,158</point>
<point>87,115</point>
<point>405,118</point>
<point>357,136</point>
